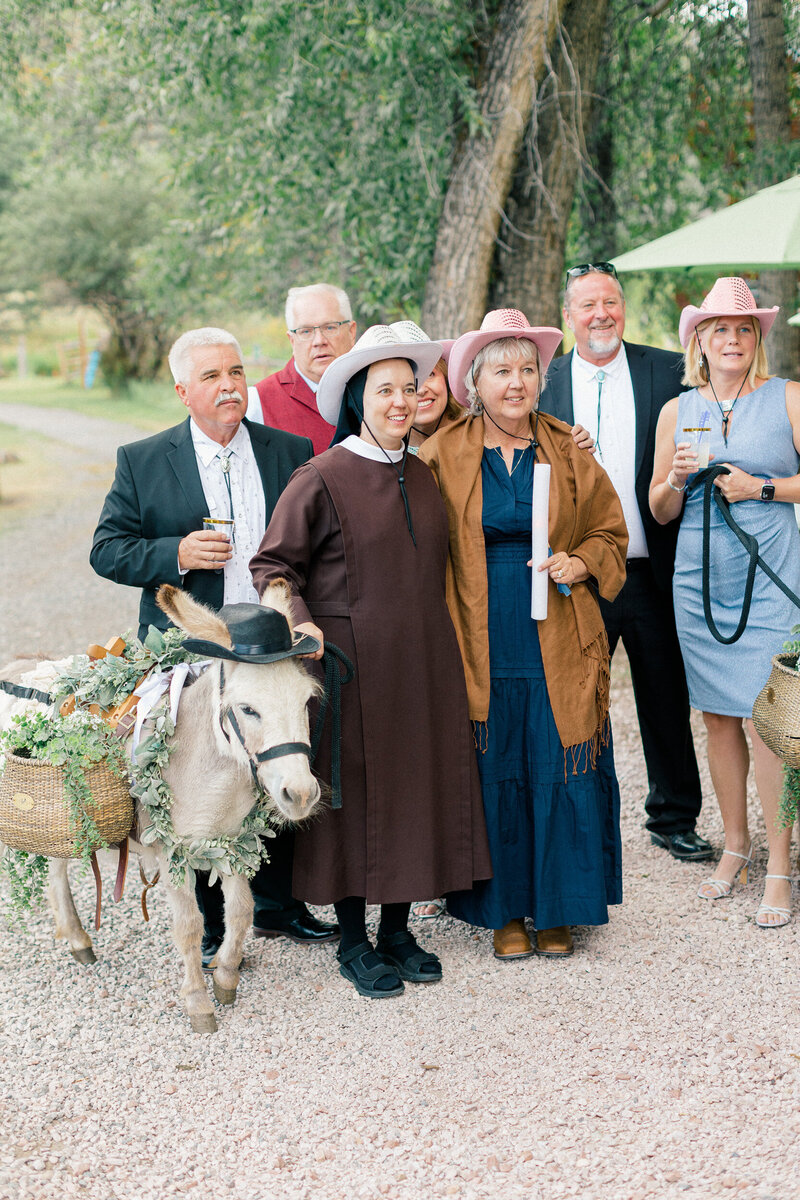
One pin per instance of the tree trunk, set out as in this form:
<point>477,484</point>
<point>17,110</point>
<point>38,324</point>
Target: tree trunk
<point>529,256</point>
<point>773,130</point>
<point>483,167</point>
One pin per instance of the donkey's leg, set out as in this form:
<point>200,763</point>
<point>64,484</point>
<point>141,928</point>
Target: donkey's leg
<point>62,906</point>
<point>187,931</point>
<point>238,919</point>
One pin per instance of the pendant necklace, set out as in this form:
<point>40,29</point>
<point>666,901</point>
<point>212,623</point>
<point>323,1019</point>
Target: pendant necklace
<point>726,409</point>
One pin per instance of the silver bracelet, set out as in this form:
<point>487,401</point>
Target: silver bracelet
<point>672,485</point>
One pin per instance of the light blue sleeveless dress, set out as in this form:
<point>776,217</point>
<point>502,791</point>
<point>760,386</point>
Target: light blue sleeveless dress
<point>727,679</point>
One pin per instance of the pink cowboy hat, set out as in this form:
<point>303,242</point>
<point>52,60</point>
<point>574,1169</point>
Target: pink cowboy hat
<point>729,297</point>
<point>498,324</point>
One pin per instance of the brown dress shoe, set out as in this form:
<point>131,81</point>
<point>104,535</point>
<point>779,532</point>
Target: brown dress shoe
<point>554,943</point>
<point>512,941</point>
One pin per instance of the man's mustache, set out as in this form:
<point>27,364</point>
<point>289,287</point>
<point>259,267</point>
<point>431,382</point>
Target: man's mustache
<point>225,397</point>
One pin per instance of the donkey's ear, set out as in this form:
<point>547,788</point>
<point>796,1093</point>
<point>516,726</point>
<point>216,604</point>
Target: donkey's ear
<point>278,595</point>
<point>197,620</point>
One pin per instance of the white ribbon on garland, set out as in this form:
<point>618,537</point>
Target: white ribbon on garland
<point>151,689</point>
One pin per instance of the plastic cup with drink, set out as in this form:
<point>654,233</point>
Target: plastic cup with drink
<point>699,436</point>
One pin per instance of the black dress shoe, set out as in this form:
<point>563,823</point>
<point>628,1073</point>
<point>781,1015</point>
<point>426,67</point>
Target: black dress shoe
<point>687,846</point>
<point>208,949</point>
<point>302,927</point>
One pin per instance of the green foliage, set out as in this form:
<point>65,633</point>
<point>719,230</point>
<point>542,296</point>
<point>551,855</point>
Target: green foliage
<point>75,743</point>
<point>790,794</point>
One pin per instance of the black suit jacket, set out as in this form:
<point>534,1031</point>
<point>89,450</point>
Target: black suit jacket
<point>656,378</point>
<point>157,498</point>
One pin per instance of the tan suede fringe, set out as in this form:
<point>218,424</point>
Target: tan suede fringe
<point>587,752</point>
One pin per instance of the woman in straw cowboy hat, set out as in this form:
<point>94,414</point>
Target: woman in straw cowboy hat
<point>754,424</point>
<point>361,534</point>
<point>538,691</point>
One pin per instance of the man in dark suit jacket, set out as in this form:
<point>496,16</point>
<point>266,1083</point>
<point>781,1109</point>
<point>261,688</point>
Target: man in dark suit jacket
<point>151,532</point>
<point>617,390</point>
<point>320,326</point>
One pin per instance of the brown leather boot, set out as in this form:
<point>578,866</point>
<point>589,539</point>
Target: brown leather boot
<point>512,941</point>
<point>554,943</point>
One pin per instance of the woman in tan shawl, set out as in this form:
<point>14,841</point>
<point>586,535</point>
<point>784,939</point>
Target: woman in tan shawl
<point>538,691</point>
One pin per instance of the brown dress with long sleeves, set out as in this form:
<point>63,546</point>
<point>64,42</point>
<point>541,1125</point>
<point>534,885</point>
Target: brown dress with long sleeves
<point>411,822</point>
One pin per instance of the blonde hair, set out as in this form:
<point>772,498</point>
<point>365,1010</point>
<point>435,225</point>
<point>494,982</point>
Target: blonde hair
<point>694,369</point>
<point>492,354</point>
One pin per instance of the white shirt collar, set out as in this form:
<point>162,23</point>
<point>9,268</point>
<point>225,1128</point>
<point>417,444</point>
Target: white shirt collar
<point>364,449</point>
<point>207,449</point>
<point>589,370</point>
<point>309,382</point>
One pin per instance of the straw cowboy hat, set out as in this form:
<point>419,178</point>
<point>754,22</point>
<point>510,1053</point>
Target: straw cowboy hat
<point>498,324</point>
<point>409,331</point>
<point>258,635</point>
<point>376,344</point>
<point>729,297</point>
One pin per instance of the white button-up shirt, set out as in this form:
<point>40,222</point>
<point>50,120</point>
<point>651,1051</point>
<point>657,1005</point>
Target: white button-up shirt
<point>614,432</point>
<point>246,498</point>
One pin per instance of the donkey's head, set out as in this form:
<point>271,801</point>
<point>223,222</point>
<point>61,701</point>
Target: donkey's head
<point>259,710</point>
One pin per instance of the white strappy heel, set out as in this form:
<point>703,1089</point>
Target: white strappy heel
<point>766,909</point>
<point>720,888</point>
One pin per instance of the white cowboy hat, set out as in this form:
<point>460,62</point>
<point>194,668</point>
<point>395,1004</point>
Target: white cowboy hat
<point>496,325</point>
<point>376,344</point>
<point>409,331</point>
<point>729,297</point>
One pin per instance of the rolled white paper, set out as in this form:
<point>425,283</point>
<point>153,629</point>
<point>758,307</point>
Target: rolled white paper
<point>540,540</point>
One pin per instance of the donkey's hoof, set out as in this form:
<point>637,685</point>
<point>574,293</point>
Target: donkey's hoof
<point>85,955</point>
<point>203,1022</point>
<point>224,995</point>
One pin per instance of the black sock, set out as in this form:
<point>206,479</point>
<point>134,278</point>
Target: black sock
<point>394,919</point>
<point>351,914</point>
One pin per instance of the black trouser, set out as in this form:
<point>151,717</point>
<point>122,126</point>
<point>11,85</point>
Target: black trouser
<point>643,618</point>
<point>271,888</point>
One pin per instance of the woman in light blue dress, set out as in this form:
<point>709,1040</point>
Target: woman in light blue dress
<point>754,424</point>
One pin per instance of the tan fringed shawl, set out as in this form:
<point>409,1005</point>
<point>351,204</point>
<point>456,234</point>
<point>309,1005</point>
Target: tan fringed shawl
<point>586,520</point>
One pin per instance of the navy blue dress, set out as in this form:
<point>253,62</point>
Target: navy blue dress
<point>554,839</point>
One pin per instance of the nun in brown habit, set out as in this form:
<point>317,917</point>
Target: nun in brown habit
<point>361,534</point>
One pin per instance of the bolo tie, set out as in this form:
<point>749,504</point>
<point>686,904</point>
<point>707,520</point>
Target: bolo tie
<point>225,464</point>
<point>600,379</point>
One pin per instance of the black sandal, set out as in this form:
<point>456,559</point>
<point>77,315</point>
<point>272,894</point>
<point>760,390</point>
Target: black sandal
<point>408,958</point>
<point>365,979</point>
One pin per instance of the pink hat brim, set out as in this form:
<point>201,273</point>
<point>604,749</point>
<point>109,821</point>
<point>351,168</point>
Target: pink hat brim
<point>545,338</point>
<point>692,316</point>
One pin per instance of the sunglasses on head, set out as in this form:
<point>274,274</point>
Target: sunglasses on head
<point>604,268</point>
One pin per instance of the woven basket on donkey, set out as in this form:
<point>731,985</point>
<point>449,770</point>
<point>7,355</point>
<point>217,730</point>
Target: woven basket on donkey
<point>35,816</point>
<point>776,712</point>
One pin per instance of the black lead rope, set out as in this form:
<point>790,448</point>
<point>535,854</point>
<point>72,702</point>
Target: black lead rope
<point>25,693</point>
<point>331,698</point>
<point>706,479</point>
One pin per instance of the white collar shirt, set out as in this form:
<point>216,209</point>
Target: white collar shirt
<point>246,499</point>
<point>357,445</point>
<point>609,413</point>
<point>312,386</point>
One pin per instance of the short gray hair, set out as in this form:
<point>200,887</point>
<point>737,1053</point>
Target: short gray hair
<point>179,355</point>
<point>573,279</point>
<point>324,289</point>
<point>489,356</point>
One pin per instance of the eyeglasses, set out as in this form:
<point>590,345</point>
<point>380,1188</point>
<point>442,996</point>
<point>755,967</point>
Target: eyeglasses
<point>604,268</point>
<point>306,332</point>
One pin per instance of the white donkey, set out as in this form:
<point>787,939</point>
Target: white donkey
<point>246,717</point>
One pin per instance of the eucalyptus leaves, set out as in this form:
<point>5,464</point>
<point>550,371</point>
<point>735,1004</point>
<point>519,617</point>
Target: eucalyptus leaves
<point>74,744</point>
<point>240,855</point>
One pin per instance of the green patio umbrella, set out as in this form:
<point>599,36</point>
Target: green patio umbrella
<point>795,320</point>
<point>757,234</point>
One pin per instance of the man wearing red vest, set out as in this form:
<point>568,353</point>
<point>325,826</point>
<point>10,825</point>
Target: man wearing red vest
<point>320,326</point>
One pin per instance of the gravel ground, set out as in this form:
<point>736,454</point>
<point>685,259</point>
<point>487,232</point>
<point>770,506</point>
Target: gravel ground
<point>663,1059</point>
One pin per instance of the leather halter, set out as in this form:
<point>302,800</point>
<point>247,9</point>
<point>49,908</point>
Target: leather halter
<point>279,751</point>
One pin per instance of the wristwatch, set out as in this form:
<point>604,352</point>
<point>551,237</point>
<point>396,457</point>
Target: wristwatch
<point>768,490</point>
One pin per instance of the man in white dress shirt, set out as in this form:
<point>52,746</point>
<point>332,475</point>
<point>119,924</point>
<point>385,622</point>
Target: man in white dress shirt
<point>217,464</point>
<point>616,390</point>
